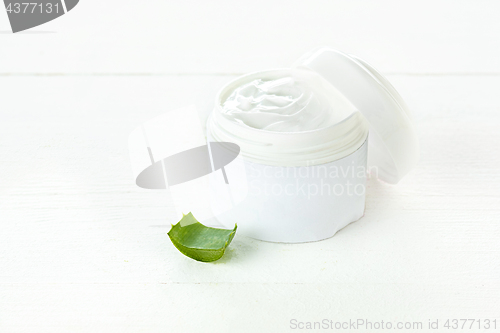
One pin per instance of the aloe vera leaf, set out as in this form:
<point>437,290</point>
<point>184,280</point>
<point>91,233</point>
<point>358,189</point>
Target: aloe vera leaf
<point>199,242</point>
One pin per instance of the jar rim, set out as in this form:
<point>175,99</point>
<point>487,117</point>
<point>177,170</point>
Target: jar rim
<point>311,147</point>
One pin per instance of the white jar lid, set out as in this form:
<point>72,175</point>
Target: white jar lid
<point>393,142</point>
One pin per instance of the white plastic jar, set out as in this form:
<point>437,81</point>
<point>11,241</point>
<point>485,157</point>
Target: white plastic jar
<point>305,185</point>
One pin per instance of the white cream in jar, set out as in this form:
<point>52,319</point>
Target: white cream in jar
<point>295,101</point>
<point>287,117</point>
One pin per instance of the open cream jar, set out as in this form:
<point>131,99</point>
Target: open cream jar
<point>304,144</point>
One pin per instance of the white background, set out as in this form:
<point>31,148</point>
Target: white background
<point>82,249</point>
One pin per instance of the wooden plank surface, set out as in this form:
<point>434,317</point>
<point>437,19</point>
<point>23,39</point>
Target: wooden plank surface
<point>224,36</point>
<point>82,249</point>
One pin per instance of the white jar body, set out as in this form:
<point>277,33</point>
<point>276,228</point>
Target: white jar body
<point>298,204</point>
<point>290,187</point>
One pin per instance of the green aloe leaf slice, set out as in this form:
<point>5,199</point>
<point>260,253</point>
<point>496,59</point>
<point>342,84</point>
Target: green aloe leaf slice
<point>199,242</point>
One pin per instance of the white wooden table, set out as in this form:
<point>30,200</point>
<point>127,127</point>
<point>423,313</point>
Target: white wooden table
<point>82,249</point>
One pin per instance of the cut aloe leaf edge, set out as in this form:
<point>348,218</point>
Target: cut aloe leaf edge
<point>199,242</point>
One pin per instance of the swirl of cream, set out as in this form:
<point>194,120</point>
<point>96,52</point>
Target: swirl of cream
<point>298,101</point>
